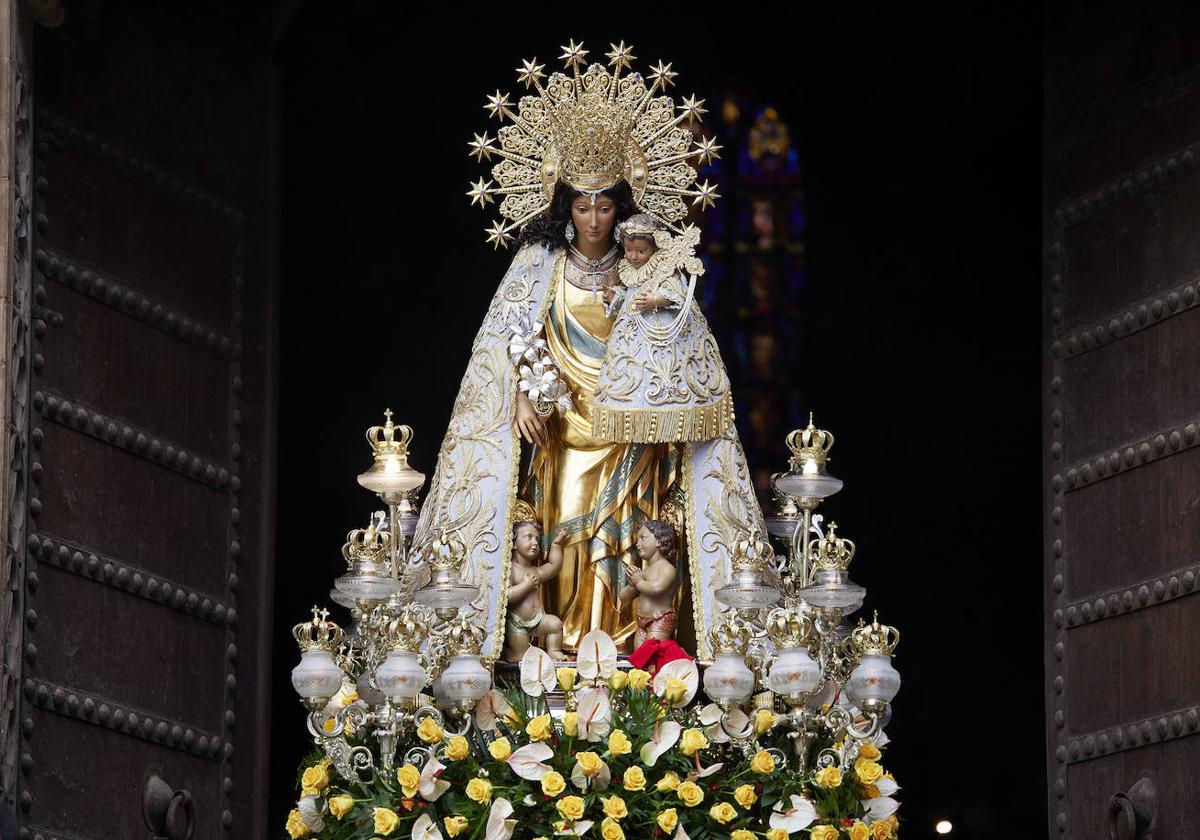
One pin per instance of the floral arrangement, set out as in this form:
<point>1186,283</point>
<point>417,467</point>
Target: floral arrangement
<point>632,756</point>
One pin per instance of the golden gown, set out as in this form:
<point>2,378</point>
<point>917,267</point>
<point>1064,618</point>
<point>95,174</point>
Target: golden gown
<point>600,491</point>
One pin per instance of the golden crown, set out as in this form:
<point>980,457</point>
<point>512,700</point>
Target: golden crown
<point>444,552</point>
<point>389,439</point>
<point>464,637</point>
<point>751,553</point>
<point>405,632</point>
<point>788,628</point>
<point>874,639</point>
<point>591,129</point>
<point>809,444</point>
<point>318,634</point>
<point>831,552</point>
<point>366,544</point>
<point>730,636</point>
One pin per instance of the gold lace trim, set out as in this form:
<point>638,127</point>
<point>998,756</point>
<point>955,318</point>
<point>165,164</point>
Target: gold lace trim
<point>662,425</point>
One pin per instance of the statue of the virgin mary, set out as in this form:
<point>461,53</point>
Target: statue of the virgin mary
<point>586,149</point>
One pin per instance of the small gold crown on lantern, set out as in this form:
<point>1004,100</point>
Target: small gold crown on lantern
<point>874,639</point>
<point>405,632</point>
<point>464,637</point>
<point>789,628</point>
<point>809,444</point>
<point>751,553</point>
<point>445,552</point>
<point>730,636</point>
<point>389,440</point>
<point>831,552</point>
<point>590,128</point>
<point>318,634</point>
<point>366,545</point>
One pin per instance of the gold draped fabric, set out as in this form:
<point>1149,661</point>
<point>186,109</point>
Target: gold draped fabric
<point>600,491</point>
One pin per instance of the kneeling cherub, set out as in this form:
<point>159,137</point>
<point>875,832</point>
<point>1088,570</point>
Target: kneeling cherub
<point>527,618</point>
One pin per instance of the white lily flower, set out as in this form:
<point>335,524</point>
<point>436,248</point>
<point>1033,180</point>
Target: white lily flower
<point>800,816</point>
<point>680,834</point>
<point>881,807</point>
<point>537,672</point>
<point>597,656</point>
<point>490,707</point>
<point>666,735</point>
<point>430,786</point>
<point>526,342</point>
<point>710,716</point>
<point>705,771</point>
<point>595,713</point>
<point>310,813</point>
<point>680,669</point>
<point>499,826</point>
<point>537,379</point>
<point>527,761</point>
<point>886,786</point>
<point>426,829</point>
<point>599,781</point>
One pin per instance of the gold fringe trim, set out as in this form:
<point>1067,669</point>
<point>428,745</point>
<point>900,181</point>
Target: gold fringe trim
<point>662,425</point>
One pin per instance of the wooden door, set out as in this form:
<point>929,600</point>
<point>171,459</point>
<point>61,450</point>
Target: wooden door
<point>1122,421</point>
<point>140,385</point>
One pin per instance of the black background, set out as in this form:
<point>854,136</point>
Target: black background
<point>919,133</point>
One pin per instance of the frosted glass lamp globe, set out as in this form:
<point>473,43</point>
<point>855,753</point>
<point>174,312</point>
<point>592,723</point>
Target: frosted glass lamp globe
<point>874,681</point>
<point>400,676</point>
<point>317,677</point>
<point>728,678</point>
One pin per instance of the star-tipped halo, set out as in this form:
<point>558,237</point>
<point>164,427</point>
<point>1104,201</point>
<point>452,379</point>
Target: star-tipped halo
<point>662,75</point>
<point>530,72</point>
<point>574,55</point>
<point>481,147</point>
<point>706,195</point>
<point>497,105</point>
<point>481,193</point>
<point>621,57</point>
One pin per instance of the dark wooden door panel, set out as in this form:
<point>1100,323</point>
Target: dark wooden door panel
<point>1121,462</point>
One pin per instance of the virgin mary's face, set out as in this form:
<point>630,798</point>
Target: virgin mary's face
<point>594,220</point>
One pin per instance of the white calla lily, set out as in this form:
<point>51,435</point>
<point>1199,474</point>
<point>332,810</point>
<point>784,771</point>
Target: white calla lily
<point>680,669</point>
<point>426,829</point>
<point>537,672</point>
<point>527,761</point>
<point>597,656</point>
<point>710,716</point>
<point>489,709</point>
<point>680,834</point>
<point>430,786</point>
<point>595,713</point>
<point>881,807</point>
<point>701,772</point>
<point>666,735</point>
<point>886,786</point>
<point>499,826</point>
<point>577,828</point>
<point>310,813</point>
<point>600,781</point>
<point>798,817</point>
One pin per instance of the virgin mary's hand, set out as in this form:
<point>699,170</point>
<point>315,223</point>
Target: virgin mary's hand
<point>527,424</point>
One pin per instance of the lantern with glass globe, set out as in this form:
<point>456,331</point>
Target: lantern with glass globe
<point>317,678</point>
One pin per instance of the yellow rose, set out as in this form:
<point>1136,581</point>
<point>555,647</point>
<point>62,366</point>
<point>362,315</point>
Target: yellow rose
<point>614,806</point>
<point>566,678</point>
<point>386,821</point>
<point>309,792</point>
<point>480,790</point>
<point>639,680</point>
<point>589,763</point>
<point>828,777</point>
<point>777,834</point>
<point>692,742</point>
<point>429,731</point>
<point>553,783</point>
<point>882,830</point>
<point>513,717</point>
<point>457,749</point>
<point>745,796</point>
<point>723,812</point>
<point>455,825</point>
<point>570,807</point>
<point>869,751</point>
<point>868,771</point>
<point>339,806</point>
<point>668,782</point>
<point>570,722</point>
<point>870,792</point>
<point>618,680</point>
<point>619,743</point>
<point>859,831</point>
<point>634,779</point>
<point>764,719</point>
<point>762,763</point>
<point>408,777</point>
<point>316,776</point>
<point>539,729</point>
<point>690,794</point>
<point>610,829</point>
<point>823,832</point>
<point>676,690</point>
<point>742,834</point>
<point>667,820</point>
<point>500,749</point>
<point>295,824</point>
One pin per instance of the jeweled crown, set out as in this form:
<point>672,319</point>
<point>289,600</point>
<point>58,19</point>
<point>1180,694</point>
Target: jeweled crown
<point>406,632</point>
<point>809,444</point>
<point>874,639</point>
<point>464,638</point>
<point>730,636</point>
<point>788,628</point>
<point>752,552</point>
<point>318,634</point>
<point>831,552</point>
<point>366,545</point>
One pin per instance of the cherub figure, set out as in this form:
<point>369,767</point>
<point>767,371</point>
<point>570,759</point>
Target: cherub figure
<point>662,380</point>
<point>655,584</point>
<point>527,618</point>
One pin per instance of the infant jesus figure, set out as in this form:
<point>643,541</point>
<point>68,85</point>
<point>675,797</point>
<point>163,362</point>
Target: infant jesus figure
<point>527,618</point>
<point>655,585</point>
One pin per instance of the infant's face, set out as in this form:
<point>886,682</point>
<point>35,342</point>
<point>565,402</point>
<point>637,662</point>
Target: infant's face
<point>647,544</point>
<point>637,251</point>
<point>526,542</point>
